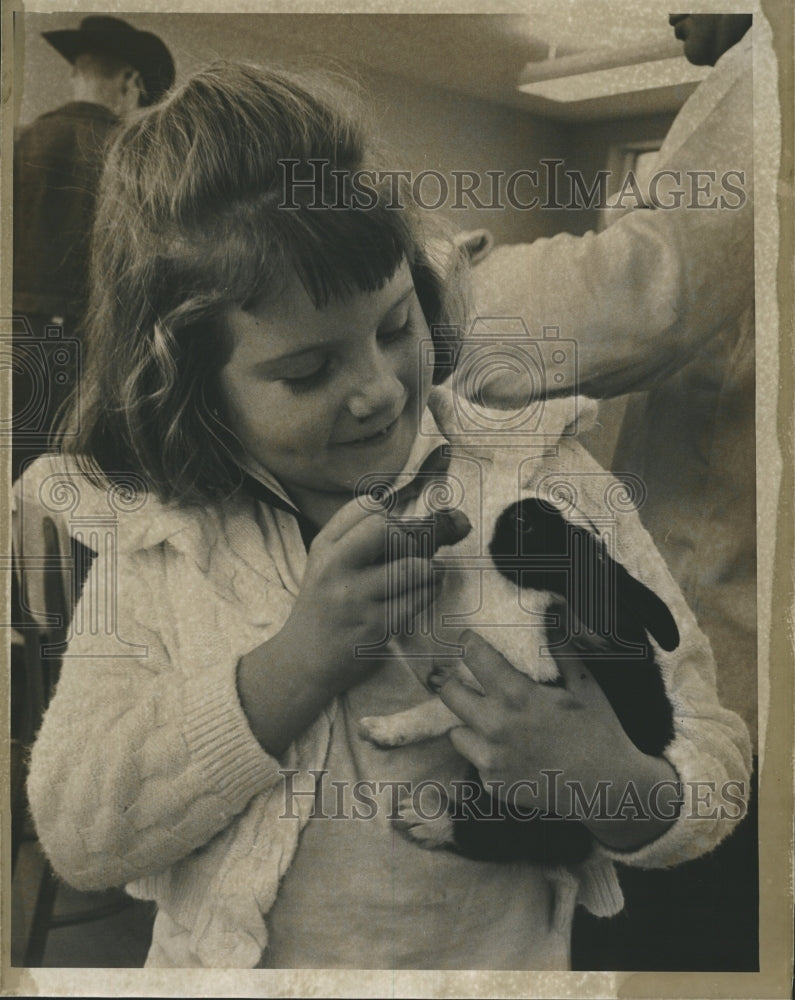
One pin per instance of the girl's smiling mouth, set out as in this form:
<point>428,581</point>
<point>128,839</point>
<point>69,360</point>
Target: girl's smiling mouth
<point>373,439</point>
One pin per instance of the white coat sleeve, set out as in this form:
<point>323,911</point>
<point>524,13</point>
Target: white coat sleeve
<point>643,296</point>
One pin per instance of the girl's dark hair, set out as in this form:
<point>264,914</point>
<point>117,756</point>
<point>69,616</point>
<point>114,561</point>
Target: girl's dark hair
<point>195,214</point>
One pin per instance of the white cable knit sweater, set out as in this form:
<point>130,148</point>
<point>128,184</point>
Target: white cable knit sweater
<point>145,771</point>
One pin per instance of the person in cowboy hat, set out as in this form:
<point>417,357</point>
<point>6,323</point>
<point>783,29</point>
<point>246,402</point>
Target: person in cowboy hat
<point>57,164</point>
<point>118,42</point>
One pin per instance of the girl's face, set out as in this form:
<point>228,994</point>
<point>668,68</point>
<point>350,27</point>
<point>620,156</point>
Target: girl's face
<point>320,397</point>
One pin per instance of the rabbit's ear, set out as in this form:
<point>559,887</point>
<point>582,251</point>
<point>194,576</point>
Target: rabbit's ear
<point>585,413</point>
<point>651,611</point>
<point>476,243</point>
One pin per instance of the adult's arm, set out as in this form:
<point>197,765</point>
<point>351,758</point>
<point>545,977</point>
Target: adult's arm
<point>644,296</point>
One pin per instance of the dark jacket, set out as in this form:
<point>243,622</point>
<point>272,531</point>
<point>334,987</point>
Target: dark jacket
<point>57,164</point>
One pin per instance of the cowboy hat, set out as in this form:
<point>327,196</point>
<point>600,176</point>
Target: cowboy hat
<point>141,49</point>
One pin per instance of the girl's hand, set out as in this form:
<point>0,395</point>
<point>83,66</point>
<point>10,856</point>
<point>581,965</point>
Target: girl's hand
<point>540,741</point>
<point>348,597</point>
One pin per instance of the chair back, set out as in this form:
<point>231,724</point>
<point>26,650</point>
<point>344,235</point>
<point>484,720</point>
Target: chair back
<point>49,569</point>
<point>44,566</point>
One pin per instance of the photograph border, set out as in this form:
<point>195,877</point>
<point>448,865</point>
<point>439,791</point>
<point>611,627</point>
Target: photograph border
<point>775,322</point>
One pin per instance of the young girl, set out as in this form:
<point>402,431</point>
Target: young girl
<point>255,336</point>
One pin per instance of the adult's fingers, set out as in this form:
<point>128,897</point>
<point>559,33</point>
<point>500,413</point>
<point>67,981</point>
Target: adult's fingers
<point>507,388</point>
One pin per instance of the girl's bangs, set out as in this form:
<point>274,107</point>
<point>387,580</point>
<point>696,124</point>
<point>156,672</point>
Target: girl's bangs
<point>335,252</point>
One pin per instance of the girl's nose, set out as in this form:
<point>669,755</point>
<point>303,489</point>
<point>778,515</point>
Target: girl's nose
<point>377,387</point>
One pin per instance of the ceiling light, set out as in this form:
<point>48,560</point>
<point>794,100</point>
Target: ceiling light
<point>609,72</point>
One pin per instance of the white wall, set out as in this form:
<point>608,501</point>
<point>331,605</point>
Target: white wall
<point>426,126</point>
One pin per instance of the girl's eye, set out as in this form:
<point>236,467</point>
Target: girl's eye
<point>303,383</point>
<point>391,335</point>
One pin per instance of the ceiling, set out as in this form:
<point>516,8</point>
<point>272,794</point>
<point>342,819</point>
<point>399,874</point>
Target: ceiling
<point>476,54</point>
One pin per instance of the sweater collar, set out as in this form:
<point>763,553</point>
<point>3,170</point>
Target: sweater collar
<point>264,486</point>
<point>193,529</point>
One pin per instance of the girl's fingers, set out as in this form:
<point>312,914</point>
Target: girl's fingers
<point>362,542</point>
<point>472,746</point>
<point>572,670</point>
<point>390,581</point>
<point>410,606</point>
<point>406,575</point>
<point>580,683</point>
<point>577,678</point>
<point>467,704</point>
<point>346,518</point>
<point>366,542</point>
<point>495,673</point>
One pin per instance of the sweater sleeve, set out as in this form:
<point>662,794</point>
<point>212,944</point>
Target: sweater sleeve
<point>711,749</point>
<point>143,757</point>
<point>711,754</point>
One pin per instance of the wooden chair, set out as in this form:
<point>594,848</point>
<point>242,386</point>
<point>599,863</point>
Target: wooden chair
<point>49,569</point>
